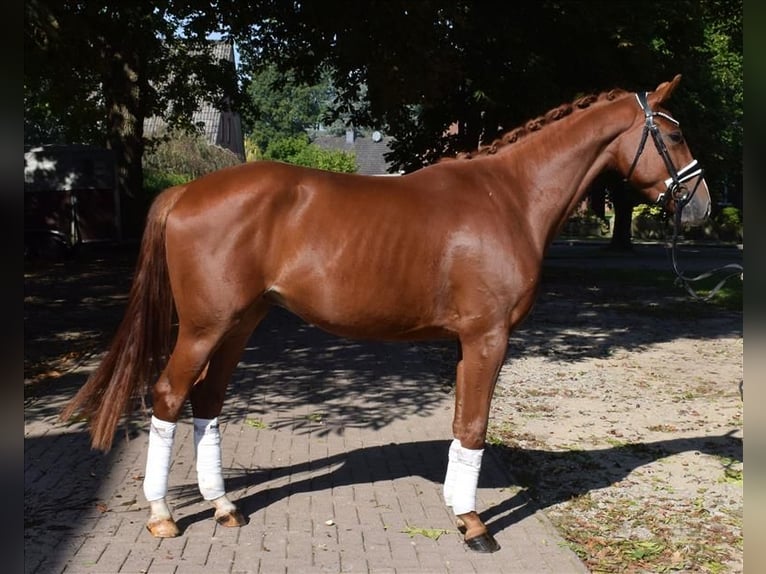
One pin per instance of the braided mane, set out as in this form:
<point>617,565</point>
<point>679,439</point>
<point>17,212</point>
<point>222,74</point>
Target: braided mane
<point>540,122</point>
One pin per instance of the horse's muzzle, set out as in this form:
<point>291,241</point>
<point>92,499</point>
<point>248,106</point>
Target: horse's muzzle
<point>693,199</point>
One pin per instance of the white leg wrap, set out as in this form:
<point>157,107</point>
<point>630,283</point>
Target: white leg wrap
<point>462,478</point>
<point>161,435</point>
<point>449,480</point>
<point>207,440</point>
<point>223,505</point>
<point>158,510</point>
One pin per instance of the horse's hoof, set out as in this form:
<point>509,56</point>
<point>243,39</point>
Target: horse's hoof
<point>231,519</point>
<point>484,543</point>
<point>163,528</point>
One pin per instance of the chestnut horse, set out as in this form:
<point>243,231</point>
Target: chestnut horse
<point>453,250</point>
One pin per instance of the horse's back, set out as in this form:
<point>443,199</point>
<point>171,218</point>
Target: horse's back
<point>359,256</point>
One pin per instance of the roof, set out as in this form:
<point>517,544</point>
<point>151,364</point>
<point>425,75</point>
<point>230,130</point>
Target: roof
<point>369,153</point>
<point>223,49</point>
<point>207,114</point>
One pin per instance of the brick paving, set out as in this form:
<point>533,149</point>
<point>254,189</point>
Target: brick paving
<point>334,450</point>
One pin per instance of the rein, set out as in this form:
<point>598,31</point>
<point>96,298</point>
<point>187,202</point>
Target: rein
<point>685,281</point>
<point>676,189</point>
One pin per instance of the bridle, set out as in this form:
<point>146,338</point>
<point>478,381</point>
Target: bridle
<point>674,185</point>
<point>675,189</point>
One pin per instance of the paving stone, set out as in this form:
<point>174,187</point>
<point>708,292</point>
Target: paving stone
<point>373,477</point>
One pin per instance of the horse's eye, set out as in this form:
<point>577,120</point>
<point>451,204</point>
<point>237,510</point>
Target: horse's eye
<point>676,137</point>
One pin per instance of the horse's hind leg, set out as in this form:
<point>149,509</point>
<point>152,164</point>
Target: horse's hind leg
<point>477,370</point>
<point>207,397</point>
<point>208,361</point>
<point>189,357</point>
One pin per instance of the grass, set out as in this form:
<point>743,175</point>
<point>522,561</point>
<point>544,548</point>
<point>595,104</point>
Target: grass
<point>732,471</point>
<point>256,423</point>
<point>432,533</point>
<point>315,417</point>
<point>729,297</point>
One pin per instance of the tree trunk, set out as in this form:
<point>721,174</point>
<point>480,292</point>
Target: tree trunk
<point>623,203</point>
<point>125,135</point>
<point>597,201</point>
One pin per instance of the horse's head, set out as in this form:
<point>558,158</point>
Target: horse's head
<point>665,172</point>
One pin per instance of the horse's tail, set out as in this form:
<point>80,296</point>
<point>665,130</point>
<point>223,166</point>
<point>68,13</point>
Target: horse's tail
<point>142,342</point>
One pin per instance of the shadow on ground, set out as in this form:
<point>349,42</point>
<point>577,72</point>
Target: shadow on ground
<point>427,459</point>
<point>71,308</point>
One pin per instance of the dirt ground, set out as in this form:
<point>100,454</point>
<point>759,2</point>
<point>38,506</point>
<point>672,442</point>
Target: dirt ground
<point>622,406</point>
<point>619,408</point>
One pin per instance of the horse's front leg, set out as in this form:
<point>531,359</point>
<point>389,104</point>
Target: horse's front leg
<point>477,372</point>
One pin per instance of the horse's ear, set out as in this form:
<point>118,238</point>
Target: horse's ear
<point>664,90</point>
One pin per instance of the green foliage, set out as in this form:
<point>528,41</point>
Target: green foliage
<point>286,147</point>
<point>94,71</point>
<point>188,154</point>
<point>646,212</point>
<point>70,76</point>
<point>284,106</point>
<point>155,181</point>
<point>415,68</point>
<point>299,150</point>
<point>585,224</point>
<point>179,157</point>
<point>730,216</point>
<point>729,224</point>
<point>252,151</point>
<point>256,423</point>
<point>432,533</point>
<point>477,67</point>
<point>651,222</point>
<point>331,160</point>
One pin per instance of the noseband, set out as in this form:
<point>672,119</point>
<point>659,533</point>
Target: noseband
<point>674,185</point>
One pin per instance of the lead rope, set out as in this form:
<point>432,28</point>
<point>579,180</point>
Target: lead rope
<point>685,281</point>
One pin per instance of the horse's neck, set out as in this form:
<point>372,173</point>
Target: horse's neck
<point>556,166</point>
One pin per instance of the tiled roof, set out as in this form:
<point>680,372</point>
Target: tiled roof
<point>369,153</point>
<point>223,49</point>
<point>207,114</point>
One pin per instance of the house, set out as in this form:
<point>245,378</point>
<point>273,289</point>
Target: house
<point>369,150</point>
<point>220,128</point>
